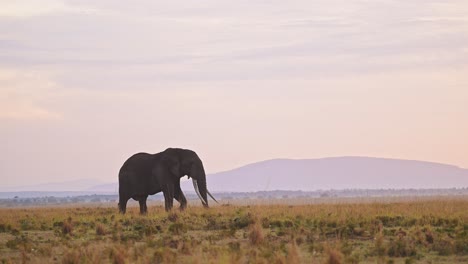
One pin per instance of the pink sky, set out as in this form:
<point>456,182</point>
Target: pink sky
<point>85,85</point>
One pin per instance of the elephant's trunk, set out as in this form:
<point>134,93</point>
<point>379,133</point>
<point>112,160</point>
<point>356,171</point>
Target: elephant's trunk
<point>199,183</point>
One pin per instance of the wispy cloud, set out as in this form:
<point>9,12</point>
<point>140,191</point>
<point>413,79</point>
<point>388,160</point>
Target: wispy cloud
<point>26,8</point>
<point>251,36</point>
<point>25,111</point>
<point>286,77</point>
<point>24,95</point>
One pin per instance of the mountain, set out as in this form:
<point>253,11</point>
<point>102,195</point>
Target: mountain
<point>105,188</point>
<point>338,173</point>
<point>65,186</point>
<point>306,175</point>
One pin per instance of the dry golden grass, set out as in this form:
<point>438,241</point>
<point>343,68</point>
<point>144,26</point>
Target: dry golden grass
<point>256,234</point>
<point>100,229</point>
<point>414,231</point>
<point>334,256</point>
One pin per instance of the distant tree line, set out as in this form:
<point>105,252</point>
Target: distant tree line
<point>226,196</point>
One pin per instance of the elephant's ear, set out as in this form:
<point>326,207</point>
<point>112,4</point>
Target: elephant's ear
<point>172,164</point>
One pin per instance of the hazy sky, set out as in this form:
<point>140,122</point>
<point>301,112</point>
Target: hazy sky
<point>85,84</point>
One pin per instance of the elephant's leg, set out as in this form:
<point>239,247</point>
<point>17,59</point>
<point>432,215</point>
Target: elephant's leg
<point>143,207</point>
<point>123,204</point>
<point>180,197</point>
<point>168,192</point>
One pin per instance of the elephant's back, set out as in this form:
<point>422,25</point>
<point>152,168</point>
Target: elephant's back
<point>138,163</point>
<point>135,176</point>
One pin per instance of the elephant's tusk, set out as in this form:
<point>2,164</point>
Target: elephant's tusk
<point>211,196</point>
<point>195,185</point>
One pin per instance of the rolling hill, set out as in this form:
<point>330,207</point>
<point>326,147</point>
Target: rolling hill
<point>338,173</point>
<point>306,175</point>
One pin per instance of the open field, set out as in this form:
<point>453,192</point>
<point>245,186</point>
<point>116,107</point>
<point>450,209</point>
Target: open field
<point>429,230</point>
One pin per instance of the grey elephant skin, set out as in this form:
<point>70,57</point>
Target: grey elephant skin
<point>146,174</point>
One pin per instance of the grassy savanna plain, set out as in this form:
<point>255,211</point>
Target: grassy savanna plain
<point>428,230</point>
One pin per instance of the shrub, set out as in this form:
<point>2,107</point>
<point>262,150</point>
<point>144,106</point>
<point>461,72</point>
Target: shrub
<point>288,223</point>
<point>173,217</point>
<point>379,247</point>
<point>72,257</point>
<point>100,229</point>
<point>461,246</point>
<point>67,228</point>
<point>164,255</point>
<point>401,247</point>
<point>186,248</point>
<point>276,223</point>
<point>444,246</point>
<point>45,250</point>
<point>354,258</point>
<point>118,255</point>
<point>429,236</point>
<point>26,224</point>
<point>293,253</point>
<point>334,256</point>
<point>234,246</point>
<point>242,221</point>
<point>177,228</point>
<point>12,244</point>
<point>265,222</point>
<point>256,234</point>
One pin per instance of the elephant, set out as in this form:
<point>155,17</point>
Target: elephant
<point>146,174</point>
